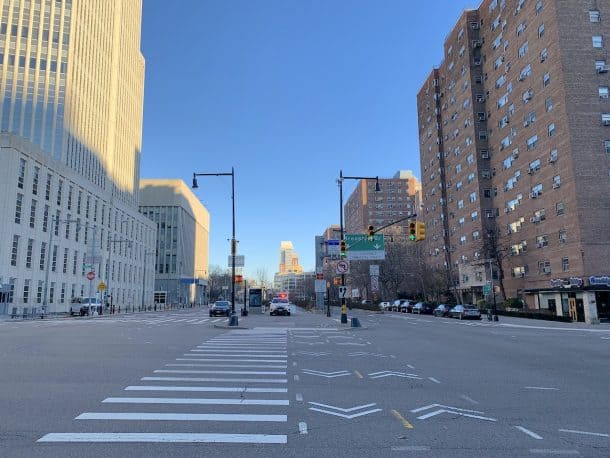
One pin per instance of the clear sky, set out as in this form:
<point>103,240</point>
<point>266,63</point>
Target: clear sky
<point>288,92</point>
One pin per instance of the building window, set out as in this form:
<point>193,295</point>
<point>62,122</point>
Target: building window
<point>551,129</point>
<point>26,291</point>
<point>65,265</point>
<point>15,250</point>
<point>548,104</point>
<point>606,119</point>
<point>476,235</point>
<point>565,264</point>
<point>541,31</point>
<point>54,259</point>
<point>600,66</point>
<point>560,208</point>
<point>607,146</point>
<point>546,79</point>
<point>532,142</point>
<point>18,205</point>
<point>460,204</point>
<point>556,181</point>
<point>594,16</point>
<point>47,191</point>
<point>70,191</point>
<point>598,41</point>
<point>553,155</point>
<point>603,92</point>
<point>45,219</point>
<point>544,55</point>
<point>43,254</point>
<point>21,174</point>
<point>39,292</point>
<point>473,197</point>
<point>538,7</point>
<point>35,179</point>
<point>544,267</point>
<point>28,254</point>
<point>563,236</point>
<point>474,215</point>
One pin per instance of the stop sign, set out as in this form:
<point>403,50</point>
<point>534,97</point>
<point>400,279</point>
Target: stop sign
<point>90,275</point>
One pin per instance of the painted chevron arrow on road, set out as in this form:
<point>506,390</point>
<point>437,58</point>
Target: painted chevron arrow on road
<point>314,353</point>
<point>336,410</point>
<point>364,353</point>
<point>326,374</point>
<point>393,374</point>
<point>452,410</point>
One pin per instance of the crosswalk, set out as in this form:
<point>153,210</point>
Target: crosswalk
<point>155,320</point>
<point>235,382</point>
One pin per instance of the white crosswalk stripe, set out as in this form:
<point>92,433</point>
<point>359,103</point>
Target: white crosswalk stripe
<point>210,368</point>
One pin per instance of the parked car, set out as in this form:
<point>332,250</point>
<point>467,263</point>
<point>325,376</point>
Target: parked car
<point>86,306</point>
<point>442,310</point>
<point>423,308</point>
<point>465,311</point>
<point>385,305</point>
<point>279,306</point>
<point>396,305</point>
<point>222,308</point>
<point>406,306</point>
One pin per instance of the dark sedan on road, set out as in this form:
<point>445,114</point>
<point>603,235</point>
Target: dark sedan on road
<point>442,310</point>
<point>465,311</point>
<point>222,308</point>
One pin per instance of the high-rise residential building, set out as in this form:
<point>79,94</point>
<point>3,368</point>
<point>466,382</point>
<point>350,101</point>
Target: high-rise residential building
<point>182,249</point>
<point>397,199</point>
<point>514,129</point>
<point>289,259</point>
<point>72,79</point>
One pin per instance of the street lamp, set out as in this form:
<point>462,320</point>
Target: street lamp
<point>233,241</point>
<point>340,182</point>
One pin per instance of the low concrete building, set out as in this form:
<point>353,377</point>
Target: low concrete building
<point>182,246</point>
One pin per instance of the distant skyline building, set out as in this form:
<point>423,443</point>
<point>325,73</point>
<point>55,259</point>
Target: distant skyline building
<point>289,259</point>
<point>182,242</point>
<point>398,198</point>
<point>70,139</point>
<point>515,154</point>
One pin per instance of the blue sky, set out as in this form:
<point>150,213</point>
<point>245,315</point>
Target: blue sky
<point>289,93</point>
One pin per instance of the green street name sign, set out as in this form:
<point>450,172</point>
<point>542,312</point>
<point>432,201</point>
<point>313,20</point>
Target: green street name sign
<point>363,247</point>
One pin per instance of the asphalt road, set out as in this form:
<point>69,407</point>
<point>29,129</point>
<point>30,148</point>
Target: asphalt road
<point>173,384</point>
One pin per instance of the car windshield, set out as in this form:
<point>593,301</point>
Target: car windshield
<point>221,304</point>
<point>470,307</point>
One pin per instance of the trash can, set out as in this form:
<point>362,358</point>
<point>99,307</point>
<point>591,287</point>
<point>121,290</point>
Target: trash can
<point>233,320</point>
<point>355,323</point>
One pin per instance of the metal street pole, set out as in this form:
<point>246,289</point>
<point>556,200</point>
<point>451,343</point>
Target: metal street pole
<point>343,306</point>
<point>46,271</point>
<point>92,263</point>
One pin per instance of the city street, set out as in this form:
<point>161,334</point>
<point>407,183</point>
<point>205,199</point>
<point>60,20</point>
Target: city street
<point>176,384</point>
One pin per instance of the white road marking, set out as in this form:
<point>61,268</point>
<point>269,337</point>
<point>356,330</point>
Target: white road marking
<point>253,366</point>
<point>541,388</point>
<point>232,360</point>
<point>192,371</point>
<point>411,448</point>
<point>216,389</point>
<point>528,432</point>
<point>206,401</point>
<point>226,355</point>
<point>299,397</point>
<point>433,380</point>
<point>193,379</point>
<point>302,427</point>
<point>296,378</point>
<point>587,433</point>
<point>138,416</point>
<point>410,366</point>
<point>166,438</point>
<point>294,363</point>
<point>546,451</point>
<point>202,349</point>
<point>469,399</point>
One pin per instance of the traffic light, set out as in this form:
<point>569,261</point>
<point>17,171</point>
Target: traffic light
<point>412,231</point>
<point>370,232</point>
<point>420,231</point>
<point>343,248</point>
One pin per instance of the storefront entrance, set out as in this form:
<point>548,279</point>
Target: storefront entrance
<point>602,298</point>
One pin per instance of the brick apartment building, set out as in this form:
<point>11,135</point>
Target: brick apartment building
<point>398,198</point>
<point>514,130</point>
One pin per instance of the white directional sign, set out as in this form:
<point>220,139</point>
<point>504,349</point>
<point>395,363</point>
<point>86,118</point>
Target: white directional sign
<point>343,267</point>
<point>342,292</point>
<point>239,260</point>
<point>334,410</point>
<point>333,248</point>
<point>449,409</point>
<point>326,374</point>
<point>374,270</point>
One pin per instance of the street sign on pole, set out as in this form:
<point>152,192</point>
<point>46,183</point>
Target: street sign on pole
<point>374,283</point>
<point>239,260</point>
<point>362,247</point>
<point>333,248</point>
<point>343,267</point>
<point>90,275</point>
<point>374,270</point>
<point>342,292</point>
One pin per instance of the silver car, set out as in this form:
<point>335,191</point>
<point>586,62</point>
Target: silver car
<point>465,311</point>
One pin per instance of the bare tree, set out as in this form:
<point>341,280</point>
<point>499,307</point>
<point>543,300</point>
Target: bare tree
<point>217,279</point>
<point>498,252</point>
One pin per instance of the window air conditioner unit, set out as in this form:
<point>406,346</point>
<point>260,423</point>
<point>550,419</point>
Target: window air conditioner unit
<point>476,62</point>
<point>552,159</point>
<point>530,170</point>
<point>534,195</point>
<point>521,275</point>
<point>603,68</point>
<point>477,43</point>
<point>556,185</point>
<point>546,270</point>
<point>606,122</point>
